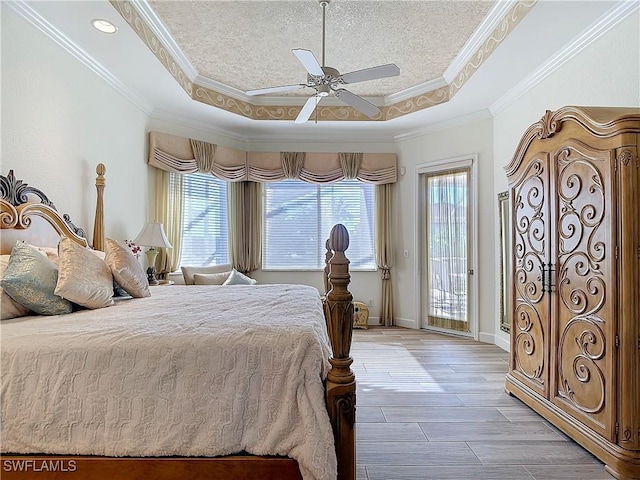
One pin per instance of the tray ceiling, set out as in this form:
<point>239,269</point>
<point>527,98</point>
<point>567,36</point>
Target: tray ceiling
<point>247,44</point>
<point>192,68</point>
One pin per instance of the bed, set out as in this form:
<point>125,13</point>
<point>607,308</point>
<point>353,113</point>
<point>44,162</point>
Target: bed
<point>246,382</point>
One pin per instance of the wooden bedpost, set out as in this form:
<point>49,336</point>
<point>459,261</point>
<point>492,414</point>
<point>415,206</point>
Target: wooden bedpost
<point>341,384</point>
<point>327,258</point>
<point>98,221</point>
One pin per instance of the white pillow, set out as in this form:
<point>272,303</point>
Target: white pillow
<point>189,272</point>
<point>210,278</point>
<point>237,278</point>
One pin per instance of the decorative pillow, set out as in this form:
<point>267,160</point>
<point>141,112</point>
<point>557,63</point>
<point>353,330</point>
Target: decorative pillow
<point>126,270</point>
<point>237,278</point>
<point>30,279</point>
<point>83,278</point>
<point>210,278</point>
<point>9,308</point>
<point>189,272</point>
<point>118,291</point>
<point>50,252</point>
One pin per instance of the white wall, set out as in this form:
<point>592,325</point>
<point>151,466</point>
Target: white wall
<point>59,120</point>
<point>470,139</point>
<point>606,73</point>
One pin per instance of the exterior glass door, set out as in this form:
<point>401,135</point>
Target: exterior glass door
<point>447,236</point>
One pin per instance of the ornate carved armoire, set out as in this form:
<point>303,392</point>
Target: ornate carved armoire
<point>575,324</point>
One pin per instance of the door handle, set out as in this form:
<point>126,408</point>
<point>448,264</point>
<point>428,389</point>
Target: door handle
<point>470,272</point>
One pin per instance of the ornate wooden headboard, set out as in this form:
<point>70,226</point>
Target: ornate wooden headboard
<point>26,213</point>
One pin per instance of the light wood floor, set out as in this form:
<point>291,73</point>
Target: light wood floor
<point>433,406</point>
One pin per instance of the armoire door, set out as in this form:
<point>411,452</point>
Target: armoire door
<point>531,232</point>
<point>584,296</point>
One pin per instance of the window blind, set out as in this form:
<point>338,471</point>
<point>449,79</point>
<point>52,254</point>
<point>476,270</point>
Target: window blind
<point>298,217</point>
<point>204,221</point>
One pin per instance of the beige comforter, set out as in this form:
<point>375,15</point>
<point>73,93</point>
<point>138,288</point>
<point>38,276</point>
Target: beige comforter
<point>190,371</point>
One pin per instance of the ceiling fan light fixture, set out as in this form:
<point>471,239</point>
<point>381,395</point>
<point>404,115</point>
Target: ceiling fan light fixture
<point>324,90</point>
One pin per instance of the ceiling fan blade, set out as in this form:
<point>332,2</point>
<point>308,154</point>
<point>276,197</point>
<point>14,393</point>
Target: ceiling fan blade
<point>282,88</point>
<point>359,103</point>
<point>308,61</point>
<point>373,73</point>
<point>308,109</point>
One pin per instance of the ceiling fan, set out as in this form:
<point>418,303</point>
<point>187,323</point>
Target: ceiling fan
<point>326,80</point>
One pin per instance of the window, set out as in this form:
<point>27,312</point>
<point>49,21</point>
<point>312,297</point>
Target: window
<point>204,220</point>
<point>298,217</point>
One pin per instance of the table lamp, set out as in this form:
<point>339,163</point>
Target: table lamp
<point>152,236</point>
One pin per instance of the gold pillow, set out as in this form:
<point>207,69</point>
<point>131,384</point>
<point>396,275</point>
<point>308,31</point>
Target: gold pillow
<point>210,278</point>
<point>126,269</point>
<point>83,278</point>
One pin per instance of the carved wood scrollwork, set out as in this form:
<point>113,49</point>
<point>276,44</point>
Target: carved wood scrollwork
<point>626,157</point>
<point>16,193</point>
<point>530,251</point>
<point>346,406</point>
<point>582,285</point>
<point>548,126</point>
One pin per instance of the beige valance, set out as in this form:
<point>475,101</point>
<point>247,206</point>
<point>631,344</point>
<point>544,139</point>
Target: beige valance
<point>175,154</point>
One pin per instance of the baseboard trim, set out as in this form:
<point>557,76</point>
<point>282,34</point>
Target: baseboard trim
<point>503,343</point>
<point>487,338</point>
<point>406,323</point>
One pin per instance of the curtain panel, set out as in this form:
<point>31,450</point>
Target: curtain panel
<point>169,213</point>
<point>385,248</point>
<point>178,155</point>
<point>244,207</point>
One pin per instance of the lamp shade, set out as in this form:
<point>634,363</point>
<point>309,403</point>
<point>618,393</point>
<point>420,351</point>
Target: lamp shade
<point>152,235</point>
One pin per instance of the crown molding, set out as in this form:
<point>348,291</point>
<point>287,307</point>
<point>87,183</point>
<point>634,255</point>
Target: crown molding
<point>470,49</point>
<point>162,33</point>
<point>592,33</point>
<point>222,88</point>
<point>415,91</point>
<point>322,138</point>
<point>51,31</point>
<point>477,116</point>
<point>189,122</point>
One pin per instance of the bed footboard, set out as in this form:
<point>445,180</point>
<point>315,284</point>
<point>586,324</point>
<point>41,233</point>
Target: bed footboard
<point>341,383</point>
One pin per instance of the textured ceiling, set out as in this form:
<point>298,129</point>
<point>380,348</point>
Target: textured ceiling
<point>247,44</point>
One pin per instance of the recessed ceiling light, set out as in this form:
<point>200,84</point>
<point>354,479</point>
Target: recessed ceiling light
<point>105,26</point>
